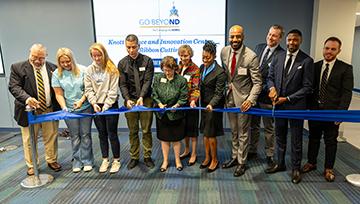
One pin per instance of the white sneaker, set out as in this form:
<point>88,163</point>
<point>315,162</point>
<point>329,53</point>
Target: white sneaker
<point>104,166</point>
<point>115,166</point>
<point>76,170</point>
<point>87,168</point>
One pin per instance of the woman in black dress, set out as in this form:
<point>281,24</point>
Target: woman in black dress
<point>170,91</point>
<point>212,88</point>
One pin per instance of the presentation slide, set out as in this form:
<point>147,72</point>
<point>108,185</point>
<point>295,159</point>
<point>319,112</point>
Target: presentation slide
<point>2,72</point>
<point>161,26</point>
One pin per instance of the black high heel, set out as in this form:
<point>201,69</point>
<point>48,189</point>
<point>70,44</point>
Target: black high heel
<point>185,156</point>
<point>214,169</point>
<point>192,163</point>
<point>203,166</point>
<point>164,169</point>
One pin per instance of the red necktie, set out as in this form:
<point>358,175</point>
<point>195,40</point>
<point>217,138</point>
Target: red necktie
<point>233,64</point>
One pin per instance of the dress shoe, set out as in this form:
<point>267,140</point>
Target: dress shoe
<point>230,163</point>
<point>184,156</point>
<point>214,169</point>
<point>149,163</point>
<point>308,167</point>
<point>270,162</point>
<point>275,168</point>
<point>76,169</point>
<point>132,163</point>
<point>203,166</point>
<point>30,171</point>
<point>296,176</point>
<point>192,163</point>
<point>240,170</point>
<point>329,175</point>
<point>55,166</point>
<point>251,155</point>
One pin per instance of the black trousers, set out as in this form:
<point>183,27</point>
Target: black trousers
<point>296,132</point>
<point>330,131</point>
<point>107,126</point>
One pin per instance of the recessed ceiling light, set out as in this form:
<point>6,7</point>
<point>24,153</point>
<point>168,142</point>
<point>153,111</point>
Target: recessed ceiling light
<point>358,13</point>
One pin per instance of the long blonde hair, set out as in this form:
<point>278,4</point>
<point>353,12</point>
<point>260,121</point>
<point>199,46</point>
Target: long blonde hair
<point>68,53</point>
<point>108,65</point>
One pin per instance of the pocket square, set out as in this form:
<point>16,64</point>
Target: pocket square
<point>299,67</point>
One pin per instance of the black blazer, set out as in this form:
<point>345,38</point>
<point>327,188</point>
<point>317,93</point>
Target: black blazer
<point>22,85</point>
<point>259,49</point>
<point>212,88</point>
<point>299,82</point>
<point>338,88</point>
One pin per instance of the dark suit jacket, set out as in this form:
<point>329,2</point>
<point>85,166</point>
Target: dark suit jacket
<point>22,85</point>
<point>299,80</point>
<point>212,88</point>
<point>338,88</point>
<point>259,50</point>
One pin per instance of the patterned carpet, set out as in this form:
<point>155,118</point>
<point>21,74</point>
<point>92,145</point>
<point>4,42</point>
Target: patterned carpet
<point>191,185</point>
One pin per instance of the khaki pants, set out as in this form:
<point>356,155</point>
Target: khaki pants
<point>49,134</point>
<point>145,119</point>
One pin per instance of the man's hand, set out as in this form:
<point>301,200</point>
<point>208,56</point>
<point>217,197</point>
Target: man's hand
<point>130,104</point>
<point>33,103</point>
<point>209,108</point>
<point>192,104</point>
<point>140,102</point>
<point>245,106</point>
<point>281,100</point>
<point>273,94</point>
<point>96,108</point>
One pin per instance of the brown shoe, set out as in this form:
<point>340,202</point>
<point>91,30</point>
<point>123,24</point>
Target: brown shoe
<point>30,171</point>
<point>55,166</point>
<point>329,175</point>
<point>308,167</point>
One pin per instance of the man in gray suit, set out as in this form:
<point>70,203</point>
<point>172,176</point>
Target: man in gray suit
<point>244,78</point>
<point>265,52</point>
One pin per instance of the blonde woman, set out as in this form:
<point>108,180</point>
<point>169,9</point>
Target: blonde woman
<point>101,89</point>
<point>68,84</point>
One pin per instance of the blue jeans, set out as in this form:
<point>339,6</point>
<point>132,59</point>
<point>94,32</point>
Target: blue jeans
<point>80,132</point>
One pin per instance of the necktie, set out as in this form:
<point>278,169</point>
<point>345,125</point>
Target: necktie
<point>41,91</point>
<point>233,64</point>
<point>287,66</point>
<point>324,77</point>
<point>264,59</point>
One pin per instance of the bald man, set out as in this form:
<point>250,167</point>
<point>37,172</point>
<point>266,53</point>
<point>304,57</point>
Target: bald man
<point>29,83</point>
<point>244,86</point>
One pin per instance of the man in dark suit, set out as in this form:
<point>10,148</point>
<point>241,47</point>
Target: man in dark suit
<point>290,81</point>
<point>333,84</point>
<point>30,84</point>
<point>265,52</point>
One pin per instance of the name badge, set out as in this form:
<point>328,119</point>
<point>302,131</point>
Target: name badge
<point>163,80</point>
<point>242,71</point>
<point>141,69</point>
<point>187,77</point>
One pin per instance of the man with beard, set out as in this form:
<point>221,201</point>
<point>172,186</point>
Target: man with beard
<point>333,84</point>
<point>290,81</point>
<point>266,52</point>
<point>244,86</point>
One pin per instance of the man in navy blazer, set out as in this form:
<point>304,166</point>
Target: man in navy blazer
<point>290,81</point>
<point>333,84</point>
<point>23,85</point>
<point>265,52</point>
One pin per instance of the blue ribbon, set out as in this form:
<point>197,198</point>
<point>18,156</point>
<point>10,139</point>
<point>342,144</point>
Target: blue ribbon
<point>321,115</point>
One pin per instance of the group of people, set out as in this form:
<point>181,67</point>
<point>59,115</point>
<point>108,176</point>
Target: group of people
<point>269,78</point>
